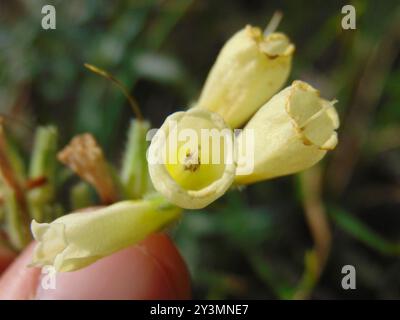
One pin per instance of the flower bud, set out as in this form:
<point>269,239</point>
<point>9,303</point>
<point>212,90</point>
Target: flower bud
<point>76,240</point>
<point>191,158</point>
<point>250,68</point>
<point>292,132</point>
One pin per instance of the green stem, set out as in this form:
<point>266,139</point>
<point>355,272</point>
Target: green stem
<point>353,226</point>
<point>43,165</point>
<point>134,174</point>
<point>17,229</point>
<point>13,196</point>
<point>81,196</point>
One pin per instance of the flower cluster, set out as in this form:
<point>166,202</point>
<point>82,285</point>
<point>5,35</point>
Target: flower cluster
<point>292,130</point>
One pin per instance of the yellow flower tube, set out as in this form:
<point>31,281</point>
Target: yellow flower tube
<point>249,70</point>
<point>292,132</point>
<point>191,158</point>
<point>76,240</point>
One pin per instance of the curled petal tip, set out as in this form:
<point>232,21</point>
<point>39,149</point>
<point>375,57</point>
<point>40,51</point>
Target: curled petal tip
<point>292,132</point>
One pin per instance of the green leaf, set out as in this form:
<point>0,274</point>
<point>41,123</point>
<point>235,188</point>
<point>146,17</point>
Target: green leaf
<point>362,233</point>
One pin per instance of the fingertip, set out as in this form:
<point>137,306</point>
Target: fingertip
<point>153,269</point>
<point>6,257</point>
<point>19,281</point>
<point>162,249</point>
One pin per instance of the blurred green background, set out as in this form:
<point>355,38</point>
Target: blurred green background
<point>284,238</point>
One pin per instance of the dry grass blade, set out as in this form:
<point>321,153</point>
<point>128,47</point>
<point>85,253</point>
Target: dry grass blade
<point>132,101</point>
<point>316,216</point>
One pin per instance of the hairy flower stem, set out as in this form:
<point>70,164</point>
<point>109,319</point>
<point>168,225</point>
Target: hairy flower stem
<point>15,206</point>
<point>135,177</point>
<point>42,173</point>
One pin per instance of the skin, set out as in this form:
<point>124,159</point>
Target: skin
<point>6,257</point>
<point>153,269</point>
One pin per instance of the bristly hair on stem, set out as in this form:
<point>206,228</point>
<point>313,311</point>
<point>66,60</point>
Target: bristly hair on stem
<point>132,101</point>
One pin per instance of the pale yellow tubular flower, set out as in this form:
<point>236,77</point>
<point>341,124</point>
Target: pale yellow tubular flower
<point>189,172</point>
<point>249,70</point>
<point>76,240</point>
<point>292,132</point>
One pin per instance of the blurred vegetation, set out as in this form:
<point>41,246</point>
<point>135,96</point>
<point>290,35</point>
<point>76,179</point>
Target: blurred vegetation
<point>284,238</point>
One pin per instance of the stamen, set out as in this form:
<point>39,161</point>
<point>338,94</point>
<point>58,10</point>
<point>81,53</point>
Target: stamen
<point>191,162</point>
<point>273,23</point>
